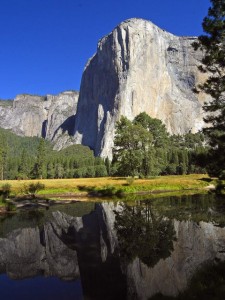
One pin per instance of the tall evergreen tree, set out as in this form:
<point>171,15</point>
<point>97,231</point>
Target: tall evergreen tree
<point>1,162</point>
<point>3,155</point>
<point>213,45</point>
<point>40,165</point>
<point>24,166</point>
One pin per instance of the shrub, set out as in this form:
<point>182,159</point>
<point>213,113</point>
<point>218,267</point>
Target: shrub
<point>35,187</point>
<point>32,188</point>
<point>6,189</point>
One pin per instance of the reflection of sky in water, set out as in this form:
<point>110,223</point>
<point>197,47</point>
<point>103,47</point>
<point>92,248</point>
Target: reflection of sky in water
<point>39,288</point>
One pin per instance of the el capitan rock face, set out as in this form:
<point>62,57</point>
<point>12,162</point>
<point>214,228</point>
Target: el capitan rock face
<point>139,67</point>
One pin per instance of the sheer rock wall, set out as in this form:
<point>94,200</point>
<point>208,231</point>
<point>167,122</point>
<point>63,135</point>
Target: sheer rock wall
<point>46,117</point>
<point>139,67</point>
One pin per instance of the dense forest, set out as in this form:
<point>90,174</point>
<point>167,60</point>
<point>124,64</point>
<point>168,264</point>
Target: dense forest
<point>142,148</point>
<point>32,157</point>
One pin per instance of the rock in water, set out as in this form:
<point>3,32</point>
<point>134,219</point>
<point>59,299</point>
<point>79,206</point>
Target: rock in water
<point>139,67</point>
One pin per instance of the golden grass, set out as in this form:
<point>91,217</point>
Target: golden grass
<point>55,186</point>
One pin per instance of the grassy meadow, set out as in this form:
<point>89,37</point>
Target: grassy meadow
<point>82,186</point>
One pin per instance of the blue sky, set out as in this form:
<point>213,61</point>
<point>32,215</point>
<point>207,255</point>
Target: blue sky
<point>45,44</point>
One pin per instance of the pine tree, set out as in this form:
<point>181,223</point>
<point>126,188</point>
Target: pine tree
<point>107,165</point>
<point>213,45</point>
<point>40,165</point>
<point>23,166</point>
<point>50,170</point>
<point>3,156</point>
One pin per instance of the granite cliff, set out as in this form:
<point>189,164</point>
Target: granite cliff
<point>138,67</point>
<point>48,117</point>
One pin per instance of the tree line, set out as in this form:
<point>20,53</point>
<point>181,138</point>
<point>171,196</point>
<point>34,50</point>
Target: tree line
<point>32,157</point>
<point>143,148</point>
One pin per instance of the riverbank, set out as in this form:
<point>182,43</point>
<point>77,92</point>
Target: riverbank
<point>126,185</point>
<point>41,201</point>
<point>84,189</point>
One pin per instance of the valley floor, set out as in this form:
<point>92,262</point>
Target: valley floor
<point>90,186</point>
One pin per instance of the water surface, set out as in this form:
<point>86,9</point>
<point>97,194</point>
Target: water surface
<point>161,248</point>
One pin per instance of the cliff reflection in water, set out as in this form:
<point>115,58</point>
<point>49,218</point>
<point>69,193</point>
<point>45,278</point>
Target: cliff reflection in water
<point>144,234</point>
<point>118,251</point>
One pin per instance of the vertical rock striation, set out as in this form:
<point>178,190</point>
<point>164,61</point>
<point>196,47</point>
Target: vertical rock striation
<point>46,117</point>
<point>138,67</point>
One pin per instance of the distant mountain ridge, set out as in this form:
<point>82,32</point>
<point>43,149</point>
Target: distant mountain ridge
<point>137,67</point>
<point>43,116</point>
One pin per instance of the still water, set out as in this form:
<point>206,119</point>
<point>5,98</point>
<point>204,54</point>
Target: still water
<point>165,248</point>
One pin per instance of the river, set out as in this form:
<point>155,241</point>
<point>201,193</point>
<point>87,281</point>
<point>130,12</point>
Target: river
<point>164,248</point>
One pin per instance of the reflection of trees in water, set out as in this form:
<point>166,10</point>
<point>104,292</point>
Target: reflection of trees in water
<point>26,219</point>
<point>141,233</point>
<point>197,208</point>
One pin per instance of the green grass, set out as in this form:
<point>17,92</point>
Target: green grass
<point>113,184</point>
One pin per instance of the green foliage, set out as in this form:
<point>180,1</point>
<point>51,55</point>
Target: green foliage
<point>6,189</point>
<point>144,148</point>
<point>32,188</point>
<point>213,62</point>
<point>26,157</point>
<point>108,166</point>
<point>101,171</point>
<point>132,150</point>
<point>39,167</point>
<point>5,192</point>
<point>155,127</point>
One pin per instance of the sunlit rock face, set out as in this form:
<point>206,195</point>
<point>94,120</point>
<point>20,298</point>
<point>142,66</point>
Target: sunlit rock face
<point>139,67</point>
<point>46,117</point>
